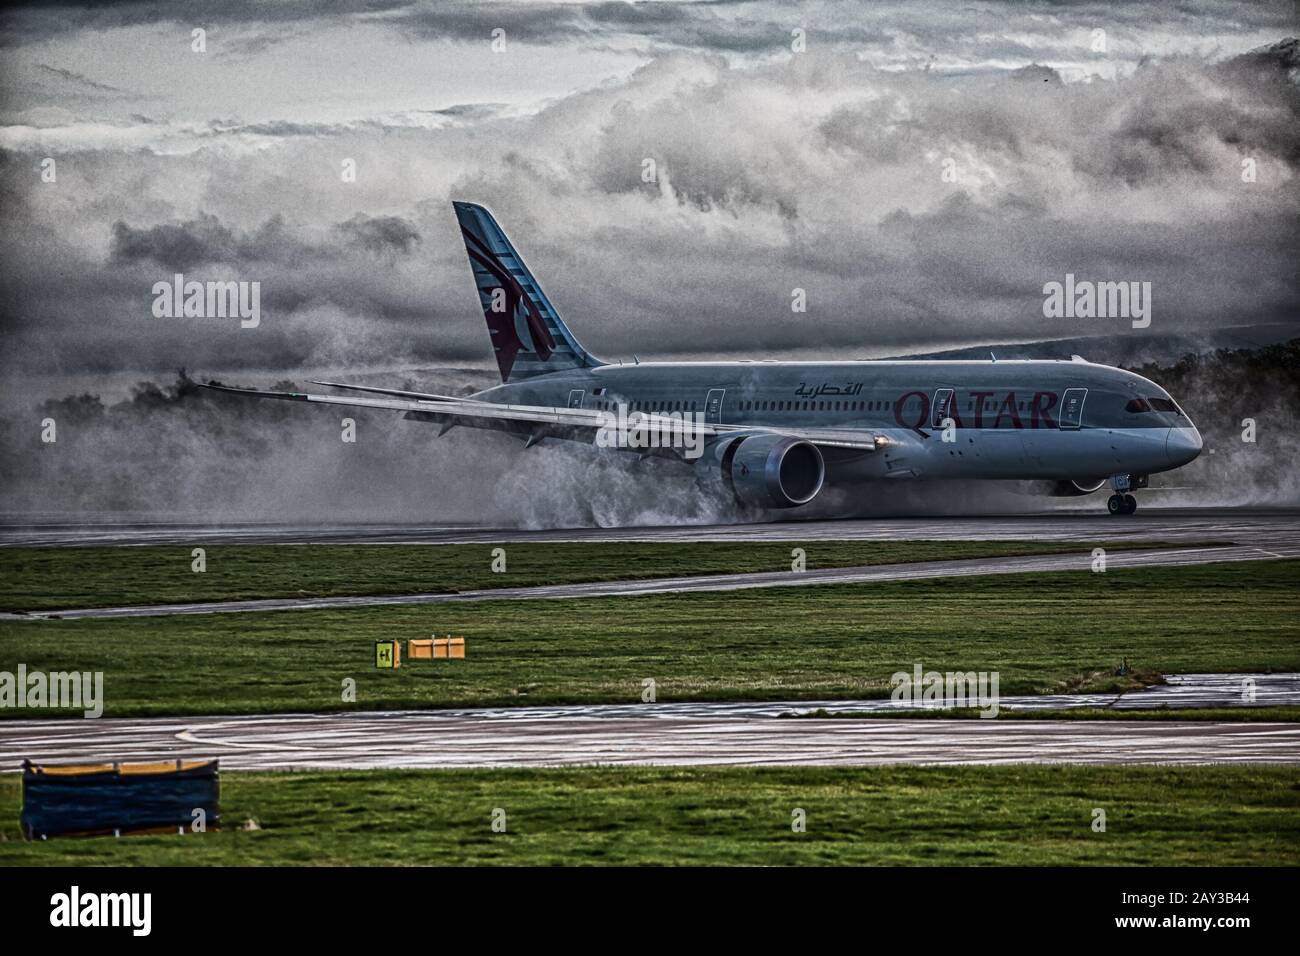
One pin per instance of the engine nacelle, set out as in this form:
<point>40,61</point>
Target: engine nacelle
<point>771,471</point>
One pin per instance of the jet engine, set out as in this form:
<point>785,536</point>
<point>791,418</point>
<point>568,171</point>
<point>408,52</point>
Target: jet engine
<point>767,471</point>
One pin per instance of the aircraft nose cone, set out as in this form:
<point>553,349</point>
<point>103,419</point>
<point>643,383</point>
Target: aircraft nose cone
<point>1182,445</point>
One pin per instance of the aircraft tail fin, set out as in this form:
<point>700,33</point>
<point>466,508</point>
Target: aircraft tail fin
<point>528,335</point>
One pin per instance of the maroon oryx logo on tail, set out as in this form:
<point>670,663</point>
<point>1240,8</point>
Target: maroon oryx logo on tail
<point>512,331</point>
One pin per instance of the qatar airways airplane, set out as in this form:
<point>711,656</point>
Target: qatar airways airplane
<point>774,434</point>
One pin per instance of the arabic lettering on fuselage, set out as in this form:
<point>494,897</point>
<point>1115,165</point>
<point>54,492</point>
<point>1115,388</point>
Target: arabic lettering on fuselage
<point>816,391</point>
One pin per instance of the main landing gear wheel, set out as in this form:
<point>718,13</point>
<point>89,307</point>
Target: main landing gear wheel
<point>1121,504</point>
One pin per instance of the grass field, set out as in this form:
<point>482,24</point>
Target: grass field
<point>45,579</point>
<point>1048,633</point>
<point>1234,816</point>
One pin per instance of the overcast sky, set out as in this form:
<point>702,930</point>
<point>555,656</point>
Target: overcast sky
<point>1106,142</point>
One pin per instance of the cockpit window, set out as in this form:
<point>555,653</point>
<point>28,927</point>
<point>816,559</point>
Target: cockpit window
<point>1164,405</point>
<point>1136,405</point>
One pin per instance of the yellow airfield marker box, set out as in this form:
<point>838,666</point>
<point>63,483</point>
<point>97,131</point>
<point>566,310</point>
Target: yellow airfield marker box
<point>388,654</point>
<point>435,647</point>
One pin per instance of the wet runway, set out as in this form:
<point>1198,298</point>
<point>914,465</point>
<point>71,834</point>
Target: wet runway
<point>1178,691</point>
<point>365,741</point>
<point>1085,522</point>
<point>741,733</point>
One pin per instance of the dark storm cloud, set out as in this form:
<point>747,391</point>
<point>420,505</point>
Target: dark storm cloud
<point>533,22</point>
<point>277,128</point>
<point>380,233</point>
<point>205,240</point>
<point>40,19</point>
<point>328,291</point>
<point>822,174</point>
<point>175,245</point>
<point>766,27</point>
<point>731,27</point>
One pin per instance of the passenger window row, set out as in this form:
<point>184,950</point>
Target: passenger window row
<point>810,406</point>
<point>648,406</point>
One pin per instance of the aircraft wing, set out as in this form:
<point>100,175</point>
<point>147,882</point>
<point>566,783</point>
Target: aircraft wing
<point>546,420</point>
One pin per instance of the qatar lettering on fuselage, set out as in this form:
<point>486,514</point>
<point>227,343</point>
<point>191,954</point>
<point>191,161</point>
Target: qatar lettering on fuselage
<point>1005,413</point>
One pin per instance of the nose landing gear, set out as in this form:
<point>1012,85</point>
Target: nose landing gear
<point>1121,502</point>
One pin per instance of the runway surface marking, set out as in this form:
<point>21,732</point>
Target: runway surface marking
<point>737,733</point>
<point>359,741</point>
<point>1080,561</point>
